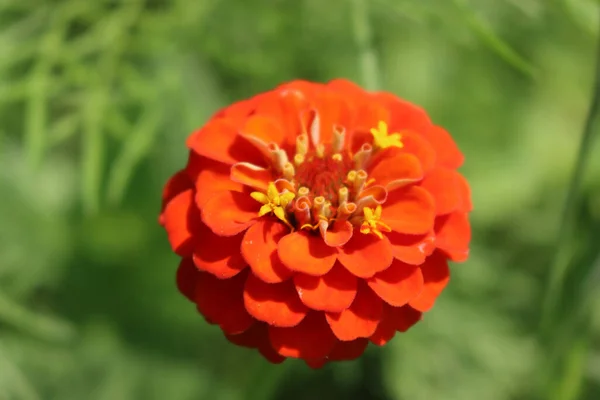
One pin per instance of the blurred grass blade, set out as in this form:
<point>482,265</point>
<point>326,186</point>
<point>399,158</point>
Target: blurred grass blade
<point>40,326</point>
<point>13,381</point>
<point>115,30</point>
<point>368,62</point>
<point>494,42</point>
<point>136,147</point>
<point>92,152</point>
<point>560,263</point>
<point>37,103</point>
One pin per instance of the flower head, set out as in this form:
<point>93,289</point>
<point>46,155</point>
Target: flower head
<point>307,229</point>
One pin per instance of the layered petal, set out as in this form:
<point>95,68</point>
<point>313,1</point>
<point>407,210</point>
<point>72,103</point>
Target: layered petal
<point>366,255</point>
<point>218,255</point>
<point>398,284</point>
<point>257,337</point>
<point>396,169</point>
<point>348,350</point>
<point>443,184</point>
<point>360,319</point>
<point>259,249</point>
<point>436,276</point>
<point>412,249</point>
<point>277,304</point>
<point>221,302</point>
<point>311,339</point>
<point>219,141</point>
<point>180,219</point>
<point>447,152</point>
<point>187,276</point>
<point>334,291</point>
<point>209,177</point>
<point>453,234</point>
<point>229,213</point>
<point>394,319</point>
<point>307,253</point>
<point>410,211</point>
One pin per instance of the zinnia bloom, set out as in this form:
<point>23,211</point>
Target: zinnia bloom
<point>316,218</point>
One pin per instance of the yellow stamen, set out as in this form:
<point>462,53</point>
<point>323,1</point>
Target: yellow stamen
<point>289,171</point>
<point>351,176</point>
<point>320,150</point>
<point>343,195</point>
<point>303,191</point>
<point>339,134</point>
<point>372,223</point>
<point>302,144</point>
<point>382,139</point>
<point>298,159</point>
<point>336,157</point>
<point>274,202</point>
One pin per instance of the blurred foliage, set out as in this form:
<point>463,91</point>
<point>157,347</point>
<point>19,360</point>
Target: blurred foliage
<point>97,97</point>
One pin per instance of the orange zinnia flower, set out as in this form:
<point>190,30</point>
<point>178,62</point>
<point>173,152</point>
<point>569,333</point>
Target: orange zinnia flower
<point>314,218</point>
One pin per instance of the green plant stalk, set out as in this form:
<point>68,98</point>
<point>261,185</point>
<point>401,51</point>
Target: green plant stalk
<point>560,263</point>
<point>363,37</point>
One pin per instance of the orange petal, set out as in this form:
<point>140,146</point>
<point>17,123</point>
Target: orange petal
<point>229,213</point>
<point>464,190</point>
<point>285,108</point>
<point>365,255</point>
<point>219,141</point>
<point>412,249</point>
<point>333,291</point>
<point>264,128</point>
<point>276,304</point>
<point>178,183</point>
<point>312,339</point>
<point>257,337</point>
<point>405,317</point>
<point>346,351</point>
<point>410,210</point>
<point>398,284</point>
<point>333,110</point>
<point>218,255</point>
<point>259,249</point>
<point>316,364</point>
<point>415,144</point>
<point>395,319</point>
<point>385,329</point>
<point>361,319</point>
<point>347,88</point>
<point>210,177</point>
<point>338,235</point>
<point>221,301</point>
<point>396,169</point>
<point>453,234</point>
<point>436,276</point>
<point>447,153</point>
<point>187,275</point>
<point>443,184</point>
<point>404,115</point>
<point>368,115</point>
<point>180,219</point>
<point>251,175</point>
<point>304,252</point>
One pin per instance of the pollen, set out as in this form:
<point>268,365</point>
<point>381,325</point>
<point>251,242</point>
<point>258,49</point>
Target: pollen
<point>274,202</point>
<point>372,223</point>
<point>382,139</point>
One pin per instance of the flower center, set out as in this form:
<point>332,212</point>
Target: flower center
<point>323,176</point>
<point>320,187</point>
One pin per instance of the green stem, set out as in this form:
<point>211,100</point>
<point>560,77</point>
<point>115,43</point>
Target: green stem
<point>363,38</point>
<point>561,260</point>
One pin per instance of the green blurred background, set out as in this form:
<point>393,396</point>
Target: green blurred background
<point>97,98</point>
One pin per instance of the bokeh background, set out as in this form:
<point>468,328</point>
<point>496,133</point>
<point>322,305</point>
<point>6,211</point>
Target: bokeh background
<point>97,98</point>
